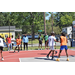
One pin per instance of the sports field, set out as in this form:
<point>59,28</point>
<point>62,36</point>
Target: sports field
<point>10,56</point>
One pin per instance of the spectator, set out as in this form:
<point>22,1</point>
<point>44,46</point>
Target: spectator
<point>12,41</point>
<point>40,42</point>
<point>46,41</point>
<point>9,42</point>
<point>25,41</point>
<point>18,43</point>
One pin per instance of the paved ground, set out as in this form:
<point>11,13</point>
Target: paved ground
<point>35,56</point>
<point>44,59</point>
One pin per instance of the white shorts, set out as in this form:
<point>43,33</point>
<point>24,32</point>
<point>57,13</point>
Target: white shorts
<point>51,47</point>
<point>18,45</point>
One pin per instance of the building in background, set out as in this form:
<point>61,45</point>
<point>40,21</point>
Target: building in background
<point>4,31</point>
<point>67,30</point>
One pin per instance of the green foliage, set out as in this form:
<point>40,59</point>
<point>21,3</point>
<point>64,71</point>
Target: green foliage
<point>66,20</point>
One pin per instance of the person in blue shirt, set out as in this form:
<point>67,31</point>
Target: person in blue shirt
<point>25,41</point>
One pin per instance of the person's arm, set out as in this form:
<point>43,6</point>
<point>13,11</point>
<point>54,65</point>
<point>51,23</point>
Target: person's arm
<point>66,40</point>
<point>28,40</point>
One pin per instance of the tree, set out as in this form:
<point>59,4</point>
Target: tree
<point>66,20</point>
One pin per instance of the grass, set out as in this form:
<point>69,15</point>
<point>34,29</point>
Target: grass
<point>36,41</point>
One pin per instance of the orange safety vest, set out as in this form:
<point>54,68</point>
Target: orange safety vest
<point>63,40</point>
<point>18,41</point>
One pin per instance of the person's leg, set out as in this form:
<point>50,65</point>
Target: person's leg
<point>24,46</point>
<point>27,46</point>
<point>11,45</point>
<point>45,44</point>
<point>1,53</point>
<point>41,46</point>
<point>18,48</point>
<point>15,49</point>
<point>66,52</point>
<point>52,54</point>
<point>8,46</point>
<point>49,54</point>
<point>59,53</point>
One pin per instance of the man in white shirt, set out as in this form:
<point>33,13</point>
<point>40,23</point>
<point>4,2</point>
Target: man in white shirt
<point>51,44</point>
<point>1,47</point>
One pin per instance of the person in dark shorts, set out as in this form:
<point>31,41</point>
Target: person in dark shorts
<point>40,42</point>
<point>46,41</point>
<point>1,47</point>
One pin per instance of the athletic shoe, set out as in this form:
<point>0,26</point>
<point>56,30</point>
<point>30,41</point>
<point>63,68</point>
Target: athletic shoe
<point>14,51</point>
<point>68,59</point>
<point>57,59</point>
<point>55,52</point>
<point>2,59</point>
<point>47,57</point>
<point>18,51</point>
<point>38,49</point>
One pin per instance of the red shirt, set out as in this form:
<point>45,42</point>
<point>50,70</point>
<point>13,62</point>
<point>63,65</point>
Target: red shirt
<point>9,40</point>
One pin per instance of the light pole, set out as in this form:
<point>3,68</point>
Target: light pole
<point>44,23</point>
<point>52,21</point>
<point>9,27</point>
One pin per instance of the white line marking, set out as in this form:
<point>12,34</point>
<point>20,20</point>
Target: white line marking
<point>20,59</point>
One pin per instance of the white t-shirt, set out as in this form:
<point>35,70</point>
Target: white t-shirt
<point>1,42</point>
<point>51,40</point>
<point>12,40</point>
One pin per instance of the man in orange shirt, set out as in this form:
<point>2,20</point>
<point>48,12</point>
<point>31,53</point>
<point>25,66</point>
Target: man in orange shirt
<point>8,39</point>
<point>18,43</point>
<point>63,44</point>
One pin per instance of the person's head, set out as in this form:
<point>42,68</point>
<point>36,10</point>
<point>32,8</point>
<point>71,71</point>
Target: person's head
<point>12,36</point>
<point>25,35</point>
<point>45,33</point>
<point>0,36</point>
<point>52,33</point>
<point>18,37</point>
<point>63,34</point>
<point>9,36</point>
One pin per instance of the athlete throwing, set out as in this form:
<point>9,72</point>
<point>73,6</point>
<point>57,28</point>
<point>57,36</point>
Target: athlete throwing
<point>18,43</point>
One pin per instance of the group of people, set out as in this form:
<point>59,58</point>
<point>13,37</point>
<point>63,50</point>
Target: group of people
<point>10,42</point>
<point>49,41</point>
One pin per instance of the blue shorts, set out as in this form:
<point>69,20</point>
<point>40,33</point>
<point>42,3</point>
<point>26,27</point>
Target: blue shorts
<point>64,46</point>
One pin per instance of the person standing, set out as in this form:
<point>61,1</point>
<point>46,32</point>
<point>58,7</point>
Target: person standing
<point>63,44</point>
<point>46,41</point>
<point>25,41</point>
<point>18,43</point>
<point>40,42</point>
<point>51,41</point>
<point>1,47</point>
<point>9,43</point>
<point>12,41</point>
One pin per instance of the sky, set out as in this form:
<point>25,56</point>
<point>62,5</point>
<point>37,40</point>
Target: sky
<point>47,17</point>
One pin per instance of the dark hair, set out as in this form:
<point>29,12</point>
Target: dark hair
<point>63,34</point>
<point>52,33</point>
<point>12,35</point>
